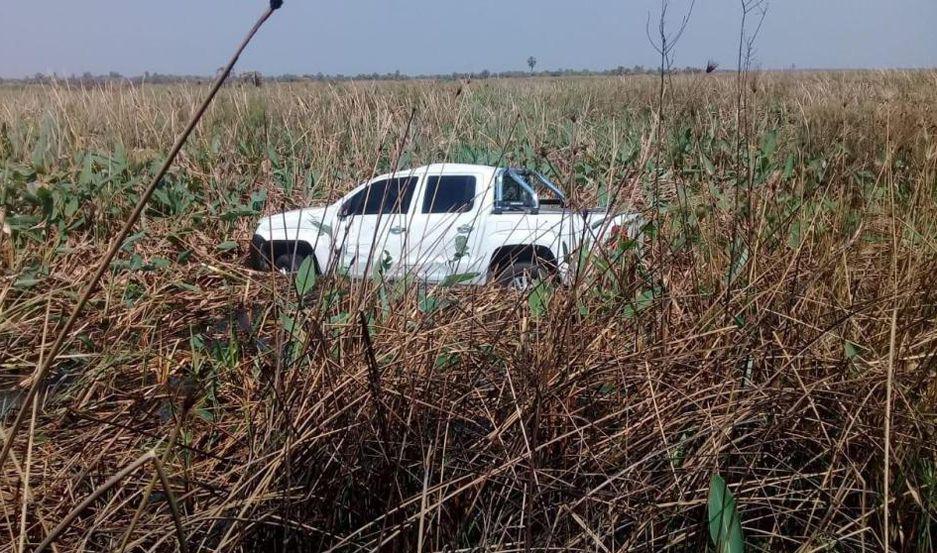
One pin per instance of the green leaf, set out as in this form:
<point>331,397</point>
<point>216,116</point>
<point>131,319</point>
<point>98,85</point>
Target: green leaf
<point>131,240</point>
<point>340,319</point>
<point>461,247</point>
<point>258,199</point>
<point>26,282</point>
<point>789,167</point>
<point>602,199</point>
<point>238,212</point>
<point>196,342</point>
<point>795,236</point>
<point>446,360</point>
<point>188,287</point>
<point>539,299</point>
<point>769,144</point>
<point>453,280</point>
<point>71,206</point>
<point>641,302</point>
<point>427,303</point>
<point>86,177</point>
<point>22,222</point>
<point>322,228</point>
<point>46,201</point>
<point>227,246</point>
<point>288,324</point>
<point>306,276</point>
<point>725,527</point>
<point>851,350</point>
<point>205,414</point>
<point>708,165</point>
<point>381,269</point>
<point>136,262</point>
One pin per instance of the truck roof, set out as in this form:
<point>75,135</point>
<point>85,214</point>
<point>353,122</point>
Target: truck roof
<point>444,169</point>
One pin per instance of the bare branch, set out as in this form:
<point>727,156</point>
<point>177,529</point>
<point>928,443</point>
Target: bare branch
<point>650,39</point>
<point>763,12</point>
<point>683,25</point>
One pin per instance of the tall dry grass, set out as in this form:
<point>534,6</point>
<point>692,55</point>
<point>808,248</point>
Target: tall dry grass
<point>781,296</point>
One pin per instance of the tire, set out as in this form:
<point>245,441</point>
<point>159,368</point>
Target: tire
<point>288,263</point>
<point>521,276</point>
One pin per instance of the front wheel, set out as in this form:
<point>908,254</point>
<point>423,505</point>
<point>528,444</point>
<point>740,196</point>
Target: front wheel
<point>288,263</point>
<point>522,276</point>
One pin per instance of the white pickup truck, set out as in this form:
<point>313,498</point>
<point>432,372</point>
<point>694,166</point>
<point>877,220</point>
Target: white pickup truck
<point>467,223</point>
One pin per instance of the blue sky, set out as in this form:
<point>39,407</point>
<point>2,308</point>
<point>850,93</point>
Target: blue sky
<point>441,36</point>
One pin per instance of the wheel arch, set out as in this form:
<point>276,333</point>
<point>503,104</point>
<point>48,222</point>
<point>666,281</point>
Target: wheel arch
<point>265,252</point>
<point>507,255</point>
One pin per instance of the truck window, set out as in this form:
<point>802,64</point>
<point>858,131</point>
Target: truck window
<point>389,196</point>
<point>449,194</point>
<point>513,194</point>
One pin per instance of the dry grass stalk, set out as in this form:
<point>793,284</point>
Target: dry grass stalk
<point>596,425</point>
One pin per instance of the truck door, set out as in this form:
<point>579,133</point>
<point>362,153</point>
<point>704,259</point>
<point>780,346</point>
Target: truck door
<point>373,226</point>
<point>443,234</point>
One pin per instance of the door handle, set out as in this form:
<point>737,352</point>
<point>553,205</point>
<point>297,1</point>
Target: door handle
<point>398,230</point>
<point>464,229</point>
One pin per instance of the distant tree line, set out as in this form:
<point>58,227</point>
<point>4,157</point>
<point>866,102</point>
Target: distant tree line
<point>255,78</point>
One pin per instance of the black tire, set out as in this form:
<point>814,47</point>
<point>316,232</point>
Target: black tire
<point>289,263</point>
<point>521,276</point>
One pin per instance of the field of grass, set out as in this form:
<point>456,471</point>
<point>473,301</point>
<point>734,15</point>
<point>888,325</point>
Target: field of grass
<point>774,331</point>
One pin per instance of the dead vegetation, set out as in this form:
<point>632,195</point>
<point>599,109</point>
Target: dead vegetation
<point>383,414</point>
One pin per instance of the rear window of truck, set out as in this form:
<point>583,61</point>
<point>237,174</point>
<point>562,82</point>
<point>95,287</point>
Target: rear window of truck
<point>449,194</point>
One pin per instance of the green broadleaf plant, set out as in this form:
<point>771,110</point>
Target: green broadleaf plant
<point>539,299</point>
<point>305,278</point>
<point>725,527</point>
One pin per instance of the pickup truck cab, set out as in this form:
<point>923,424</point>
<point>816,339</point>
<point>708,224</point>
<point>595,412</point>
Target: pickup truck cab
<point>468,223</point>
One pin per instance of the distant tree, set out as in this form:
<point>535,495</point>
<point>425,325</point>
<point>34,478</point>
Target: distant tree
<point>254,78</point>
<point>531,63</point>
